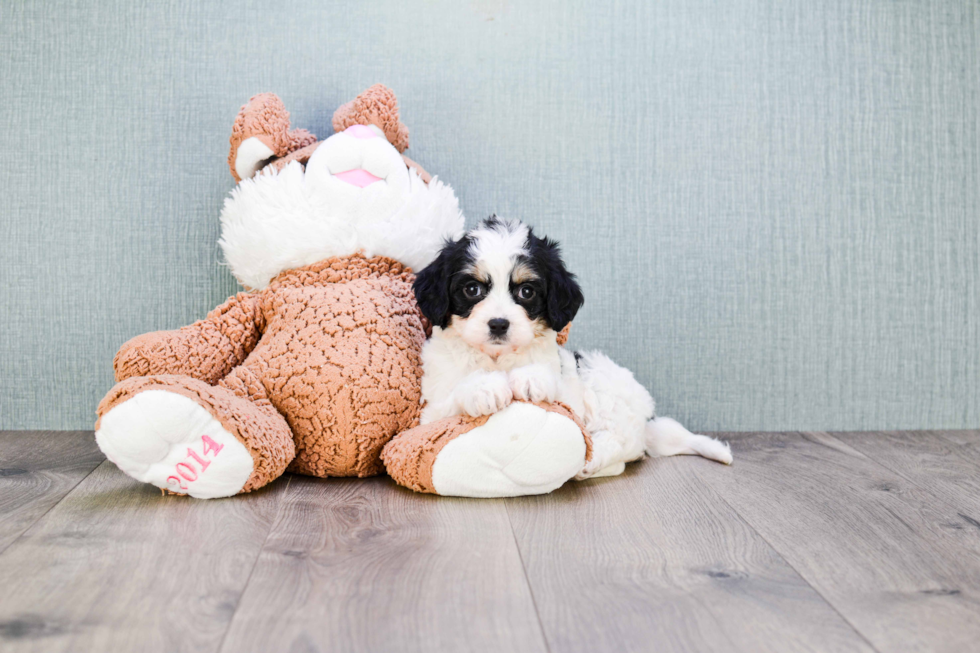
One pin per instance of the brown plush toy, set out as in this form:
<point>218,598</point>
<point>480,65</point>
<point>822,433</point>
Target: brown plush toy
<point>316,367</point>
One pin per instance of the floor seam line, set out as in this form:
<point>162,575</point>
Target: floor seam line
<point>911,481</point>
<point>53,506</point>
<point>779,553</point>
<point>255,563</point>
<point>527,581</point>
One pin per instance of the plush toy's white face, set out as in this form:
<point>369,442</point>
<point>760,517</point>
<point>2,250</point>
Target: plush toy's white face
<point>356,195</point>
<point>359,173</point>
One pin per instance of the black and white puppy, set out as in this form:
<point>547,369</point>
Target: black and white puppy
<point>497,298</point>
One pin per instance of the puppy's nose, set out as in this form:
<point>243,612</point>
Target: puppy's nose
<point>498,326</point>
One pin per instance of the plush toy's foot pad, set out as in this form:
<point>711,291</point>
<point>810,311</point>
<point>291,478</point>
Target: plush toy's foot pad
<point>524,449</point>
<point>189,437</point>
<point>170,441</point>
<point>611,470</point>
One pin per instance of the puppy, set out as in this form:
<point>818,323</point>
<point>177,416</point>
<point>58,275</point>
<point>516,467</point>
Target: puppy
<point>497,298</point>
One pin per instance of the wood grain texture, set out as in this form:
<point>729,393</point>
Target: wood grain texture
<point>115,566</point>
<point>967,441</point>
<point>892,557</point>
<point>37,469</point>
<point>946,464</point>
<point>809,542</point>
<point>654,560</point>
<point>364,565</point>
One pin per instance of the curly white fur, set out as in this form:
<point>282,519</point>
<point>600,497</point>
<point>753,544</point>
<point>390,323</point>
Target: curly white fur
<point>282,220</point>
<point>461,376</point>
<point>619,415</point>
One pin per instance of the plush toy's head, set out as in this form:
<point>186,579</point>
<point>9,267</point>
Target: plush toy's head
<point>356,193</point>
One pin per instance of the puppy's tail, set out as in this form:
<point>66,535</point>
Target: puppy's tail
<point>667,437</point>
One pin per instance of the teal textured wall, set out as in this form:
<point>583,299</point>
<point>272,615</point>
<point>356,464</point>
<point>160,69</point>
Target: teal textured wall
<point>773,206</point>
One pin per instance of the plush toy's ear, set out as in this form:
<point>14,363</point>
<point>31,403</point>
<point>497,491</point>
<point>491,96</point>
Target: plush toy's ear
<point>375,106</point>
<point>425,176</point>
<point>433,285</point>
<point>562,337</point>
<point>261,135</point>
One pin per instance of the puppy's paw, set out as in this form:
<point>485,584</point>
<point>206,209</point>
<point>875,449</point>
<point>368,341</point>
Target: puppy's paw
<point>484,394</point>
<point>533,383</point>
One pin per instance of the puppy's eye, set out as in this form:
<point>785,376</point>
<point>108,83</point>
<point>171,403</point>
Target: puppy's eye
<point>474,289</point>
<point>525,292</point>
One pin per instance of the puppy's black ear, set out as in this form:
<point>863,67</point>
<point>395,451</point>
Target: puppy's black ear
<point>432,292</point>
<point>564,294</point>
<point>433,285</point>
<point>564,299</point>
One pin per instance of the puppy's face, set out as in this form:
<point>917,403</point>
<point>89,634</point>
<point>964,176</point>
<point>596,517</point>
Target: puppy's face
<point>499,288</point>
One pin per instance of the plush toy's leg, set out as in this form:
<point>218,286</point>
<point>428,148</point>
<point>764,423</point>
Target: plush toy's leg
<point>189,437</point>
<point>524,449</point>
<point>607,458</point>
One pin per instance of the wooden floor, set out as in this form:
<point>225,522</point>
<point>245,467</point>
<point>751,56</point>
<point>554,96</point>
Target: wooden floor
<point>810,542</point>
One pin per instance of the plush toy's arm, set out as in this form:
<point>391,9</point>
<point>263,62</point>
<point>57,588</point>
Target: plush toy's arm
<point>207,350</point>
<point>523,449</point>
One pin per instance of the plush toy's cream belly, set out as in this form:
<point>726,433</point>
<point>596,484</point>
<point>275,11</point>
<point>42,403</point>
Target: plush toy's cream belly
<point>340,360</point>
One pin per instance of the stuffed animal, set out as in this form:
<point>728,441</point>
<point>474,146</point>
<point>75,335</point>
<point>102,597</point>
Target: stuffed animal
<point>315,367</point>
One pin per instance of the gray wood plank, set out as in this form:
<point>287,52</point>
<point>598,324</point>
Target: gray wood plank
<point>969,441</point>
<point>890,556</point>
<point>115,566</point>
<point>946,465</point>
<point>655,560</point>
<point>363,565</point>
<point>37,469</point>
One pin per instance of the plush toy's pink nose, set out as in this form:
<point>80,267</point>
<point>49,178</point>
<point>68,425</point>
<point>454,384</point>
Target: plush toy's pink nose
<point>360,131</point>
